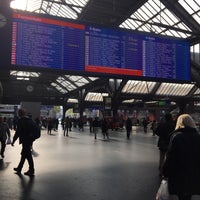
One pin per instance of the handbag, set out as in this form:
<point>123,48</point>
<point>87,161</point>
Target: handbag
<point>163,192</point>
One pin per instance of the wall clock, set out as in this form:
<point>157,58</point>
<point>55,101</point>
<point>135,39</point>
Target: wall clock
<point>29,88</point>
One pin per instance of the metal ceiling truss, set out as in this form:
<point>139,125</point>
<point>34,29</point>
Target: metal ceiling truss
<point>108,13</point>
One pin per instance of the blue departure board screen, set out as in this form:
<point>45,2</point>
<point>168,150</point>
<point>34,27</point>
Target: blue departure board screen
<point>59,44</point>
<point>41,42</point>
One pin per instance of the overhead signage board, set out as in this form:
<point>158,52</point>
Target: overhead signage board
<point>38,41</point>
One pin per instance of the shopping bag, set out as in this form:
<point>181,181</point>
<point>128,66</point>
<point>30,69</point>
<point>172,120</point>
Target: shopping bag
<point>163,193</point>
<point>9,141</point>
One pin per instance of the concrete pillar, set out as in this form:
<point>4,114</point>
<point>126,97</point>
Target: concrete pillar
<point>32,108</point>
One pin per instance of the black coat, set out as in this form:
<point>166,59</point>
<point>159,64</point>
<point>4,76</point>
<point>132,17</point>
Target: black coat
<point>104,126</point>
<point>128,124</point>
<point>24,130</point>
<point>182,166</point>
<point>164,131</point>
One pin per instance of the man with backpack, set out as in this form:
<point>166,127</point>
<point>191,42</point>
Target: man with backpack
<point>25,133</point>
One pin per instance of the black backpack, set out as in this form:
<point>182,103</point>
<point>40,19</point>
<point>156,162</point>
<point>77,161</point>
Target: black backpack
<point>34,129</point>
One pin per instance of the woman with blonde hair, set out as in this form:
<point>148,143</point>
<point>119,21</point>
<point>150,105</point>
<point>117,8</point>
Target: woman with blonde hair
<point>182,165</point>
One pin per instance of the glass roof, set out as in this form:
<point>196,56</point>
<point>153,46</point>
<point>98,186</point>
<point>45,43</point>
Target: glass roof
<point>63,84</point>
<point>197,92</point>
<point>165,89</point>
<point>192,7</point>
<point>22,75</point>
<point>153,16</point>
<point>68,8</point>
<point>169,89</point>
<point>128,101</point>
<point>72,100</point>
<point>68,83</point>
<point>59,88</point>
<point>138,87</point>
<point>93,96</point>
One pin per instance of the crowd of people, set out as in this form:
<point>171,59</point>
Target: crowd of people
<point>178,144</point>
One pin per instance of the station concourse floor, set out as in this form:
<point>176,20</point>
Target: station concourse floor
<point>79,167</point>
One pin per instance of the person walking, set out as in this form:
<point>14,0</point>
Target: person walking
<point>95,125</point>
<point>66,127</point>
<point>128,127</point>
<point>24,133</point>
<point>104,129</point>
<point>4,135</point>
<point>153,127</point>
<point>145,123</point>
<point>182,165</point>
<point>49,125</point>
<point>164,130</point>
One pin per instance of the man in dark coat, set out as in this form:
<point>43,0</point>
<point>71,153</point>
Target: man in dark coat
<point>104,128</point>
<point>164,130</point>
<point>128,127</point>
<point>24,133</point>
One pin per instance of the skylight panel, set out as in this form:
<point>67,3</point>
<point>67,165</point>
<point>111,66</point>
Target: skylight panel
<point>136,23</point>
<point>138,87</point>
<point>53,9</point>
<point>59,88</point>
<point>93,96</point>
<point>136,16</point>
<point>128,101</point>
<point>165,19</point>
<point>66,84</point>
<point>93,78</point>
<point>153,11</point>
<point>187,6</point>
<point>76,2</point>
<point>145,28</point>
<point>131,23</point>
<point>79,80</point>
<point>143,15</point>
<point>78,10</point>
<point>192,7</point>
<point>170,16</point>
<point>147,11</point>
<point>24,74</point>
<point>67,8</point>
<point>174,89</point>
<point>72,100</point>
<point>197,17</point>
<point>157,29</point>
<point>157,5</point>
<point>197,92</point>
<point>29,5</point>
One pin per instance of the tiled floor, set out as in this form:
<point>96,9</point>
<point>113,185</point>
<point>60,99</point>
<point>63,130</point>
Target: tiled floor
<point>79,168</point>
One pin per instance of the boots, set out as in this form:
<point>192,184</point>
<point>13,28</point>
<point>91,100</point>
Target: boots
<point>30,172</point>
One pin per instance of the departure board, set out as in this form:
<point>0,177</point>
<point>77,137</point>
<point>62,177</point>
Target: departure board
<point>42,42</point>
<point>38,41</point>
<point>123,52</point>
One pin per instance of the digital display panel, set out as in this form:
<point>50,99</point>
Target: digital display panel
<point>42,42</point>
<point>60,44</point>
